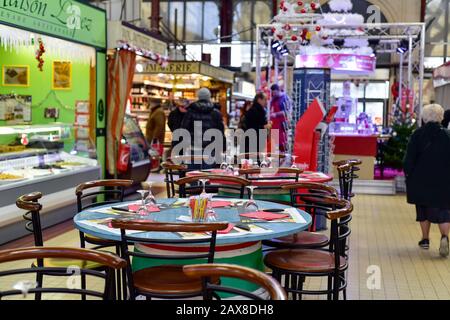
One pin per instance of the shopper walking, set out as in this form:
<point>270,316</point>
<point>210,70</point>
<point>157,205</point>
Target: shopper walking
<point>427,169</point>
<point>256,118</point>
<point>279,110</point>
<point>203,112</point>
<point>446,121</point>
<point>156,128</point>
<point>176,116</point>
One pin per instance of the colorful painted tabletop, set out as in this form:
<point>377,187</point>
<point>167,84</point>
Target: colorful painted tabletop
<point>95,221</point>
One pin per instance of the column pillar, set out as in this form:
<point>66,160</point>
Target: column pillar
<point>155,18</point>
<point>226,29</point>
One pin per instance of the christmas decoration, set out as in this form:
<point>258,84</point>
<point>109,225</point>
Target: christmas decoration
<point>156,58</point>
<point>403,125</point>
<point>39,53</point>
<point>17,40</point>
<point>24,140</point>
<point>340,5</point>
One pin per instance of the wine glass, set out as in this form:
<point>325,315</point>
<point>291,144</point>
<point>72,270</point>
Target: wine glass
<point>251,205</point>
<point>294,164</point>
<point>150,200</point>
<point>203,182</point>
<point>142,211</point>
<point>263,161</point>
<point>211,215</point>
<point>224,164</point>
<point>270,162</point>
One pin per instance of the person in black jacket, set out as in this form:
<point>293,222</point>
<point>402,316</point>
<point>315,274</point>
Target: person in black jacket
<point>203,111</point>
<point>427,170</point>
<point>176,117</point>
<point>446,121</point>
<point>256,118</point>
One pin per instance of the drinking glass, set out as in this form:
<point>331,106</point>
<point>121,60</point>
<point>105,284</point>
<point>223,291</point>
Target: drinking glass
<point>251,205</point>
<point>264,163</point>
<point>224,164</point>
<point>294,164</point>
<point>211,215</point>
<point>142,211</point>
<point>270,162</point>
<point>203,182</point>
<point>150,200</point>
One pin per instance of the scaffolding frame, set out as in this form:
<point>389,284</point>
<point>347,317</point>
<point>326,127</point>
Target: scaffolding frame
<point>390,36</point>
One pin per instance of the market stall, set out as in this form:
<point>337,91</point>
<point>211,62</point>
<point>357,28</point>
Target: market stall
<point>134,160</point>
<point>52,106</point>
<point>340,41</point>
<point>179,81</point>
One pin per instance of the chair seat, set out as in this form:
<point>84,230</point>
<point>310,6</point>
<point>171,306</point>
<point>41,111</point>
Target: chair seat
<point>167,280</point>
<point>299,240</point>
<point>307,260</point>
<point>65,263</point>
<point>99,241</point>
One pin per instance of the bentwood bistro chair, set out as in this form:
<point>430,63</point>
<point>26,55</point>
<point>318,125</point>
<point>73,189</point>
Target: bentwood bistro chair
<point>214,271</point>
<point>108,262</point>
<point>98,193</point>
<point>30,203</point>
<point>166,281</point>
<point>190,185</point>
<point>294,265</point>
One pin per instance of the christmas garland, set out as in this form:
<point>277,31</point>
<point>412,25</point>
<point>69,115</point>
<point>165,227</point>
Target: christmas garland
<point>155,57</point>
<point>39,53</point>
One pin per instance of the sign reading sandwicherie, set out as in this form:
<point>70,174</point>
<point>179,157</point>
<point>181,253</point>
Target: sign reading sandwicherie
<point>67,19</point>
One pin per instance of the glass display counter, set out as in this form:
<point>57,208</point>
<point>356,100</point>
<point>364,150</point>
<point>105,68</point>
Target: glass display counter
<point>41,158</point>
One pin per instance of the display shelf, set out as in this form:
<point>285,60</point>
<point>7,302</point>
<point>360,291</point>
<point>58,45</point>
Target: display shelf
<point>28,129</point>
<point>25,153</point>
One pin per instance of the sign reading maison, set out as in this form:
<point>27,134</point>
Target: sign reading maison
<point>67,19</point>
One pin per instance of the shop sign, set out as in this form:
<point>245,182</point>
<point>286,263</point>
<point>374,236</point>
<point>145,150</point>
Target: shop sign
<point>350,63</point>
<point>176,67</point>
<point>117,32</point>
<point>217,73</point>
<point>187,67</point>
<point>67,19</point>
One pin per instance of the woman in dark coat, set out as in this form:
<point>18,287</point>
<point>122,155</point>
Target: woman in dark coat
<point>427,170</point>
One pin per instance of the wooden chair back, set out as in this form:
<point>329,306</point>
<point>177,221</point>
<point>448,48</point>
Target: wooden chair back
<point>208,271</point>
<point>113,190</point>
<point>109,261</point>
<point>30,203</point>
<point>191,185</point>
<point>210,230</point>
<point>173,172</point>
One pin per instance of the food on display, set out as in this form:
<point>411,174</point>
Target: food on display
<point>8,176</point>
<point>7,149</point>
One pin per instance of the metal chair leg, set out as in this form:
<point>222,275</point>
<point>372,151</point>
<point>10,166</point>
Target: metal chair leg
<point>39,281</point>
<point>83,286</point>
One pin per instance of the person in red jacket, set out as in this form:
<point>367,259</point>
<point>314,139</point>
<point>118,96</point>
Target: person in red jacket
<point>279,109</point>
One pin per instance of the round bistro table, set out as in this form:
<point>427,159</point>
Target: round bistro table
<point>243,249</point>
<point>266,193</point>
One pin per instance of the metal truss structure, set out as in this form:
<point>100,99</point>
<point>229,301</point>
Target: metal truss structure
<point>383,37</point>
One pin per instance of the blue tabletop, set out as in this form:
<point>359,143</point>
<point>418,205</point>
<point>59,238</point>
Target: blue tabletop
<point>170,214</point>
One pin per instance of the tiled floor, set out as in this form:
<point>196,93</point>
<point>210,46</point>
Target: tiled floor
<point>384,239</point>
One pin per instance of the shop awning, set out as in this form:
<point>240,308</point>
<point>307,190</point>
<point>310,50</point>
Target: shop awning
<point>120,32</point>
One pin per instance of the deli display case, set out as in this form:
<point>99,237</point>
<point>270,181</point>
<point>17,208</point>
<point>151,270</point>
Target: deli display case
<point>42,158</point>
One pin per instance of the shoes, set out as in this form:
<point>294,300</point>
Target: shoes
<point>425,244</point>
<point>443,249</point>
